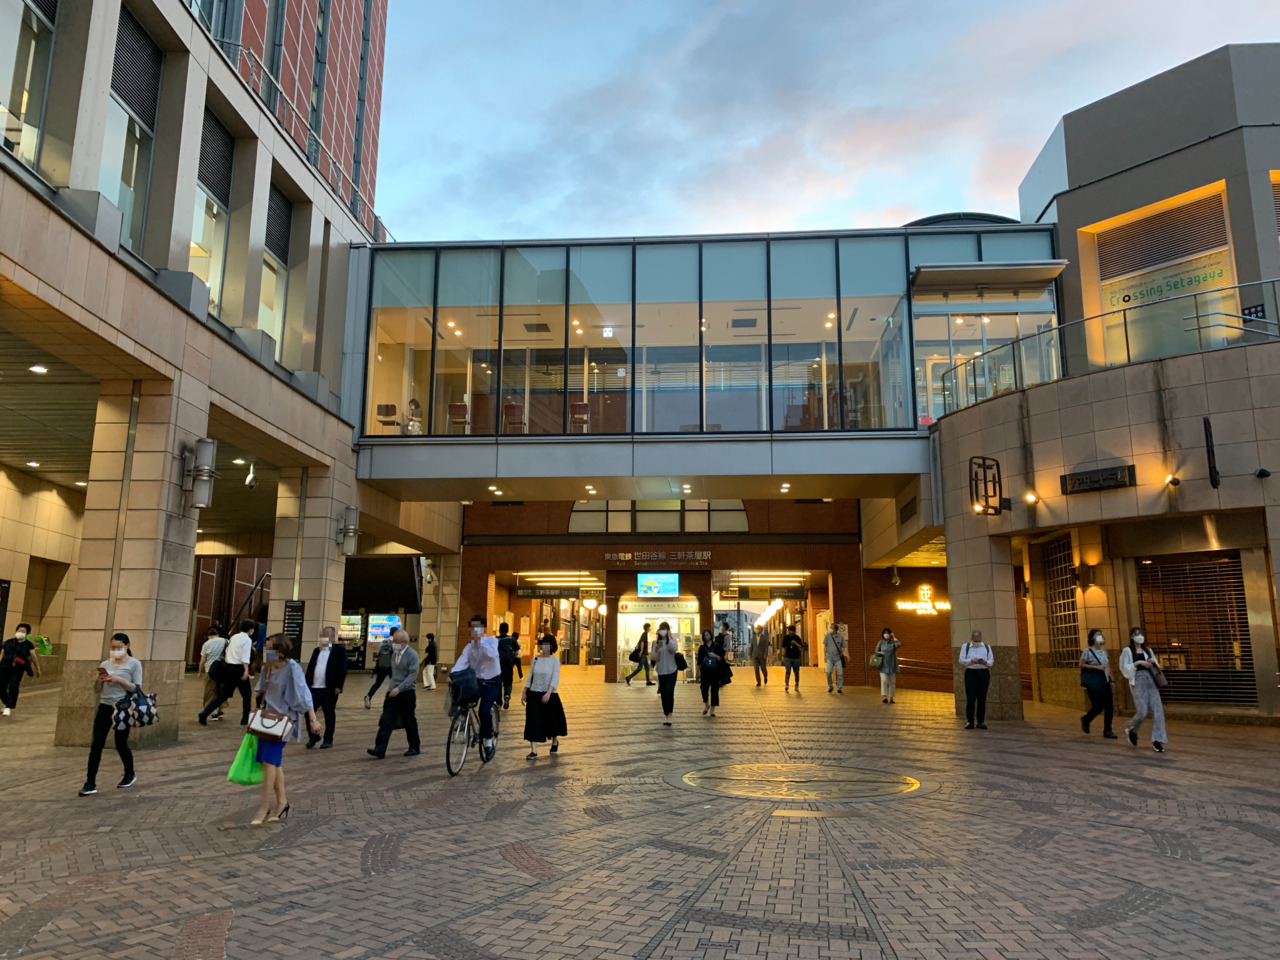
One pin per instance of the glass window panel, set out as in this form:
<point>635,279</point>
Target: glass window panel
<point>696,522</point>
<point>587,522</point>
<point>533,389</point>
<point>582,505</point>
<point>726,504</point>
<point>620,505</point>
<point>619,522</point>
<point>657,504</point>
<point>600,339</point>
<point>933,358</point>
<point>728,522</point>
<point>943,248</point>
<point>271,299</point>
<point>804,354</point>
<point>657,522</point>
<point>125,172</point>
<point>209,246</point>
<point>400,361</point>
<point>465,397</point>
<point>1012,247</point>
<point>667,383</point>
<point>735,337</point>
<point>25,48</point>
<point>875,375</point>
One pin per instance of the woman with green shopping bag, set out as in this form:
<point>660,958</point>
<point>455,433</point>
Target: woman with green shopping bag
<point>283,689</point>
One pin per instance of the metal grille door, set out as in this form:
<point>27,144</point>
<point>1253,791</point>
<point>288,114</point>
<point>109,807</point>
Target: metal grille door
<point>1194,614</point>
<point>1060,599</point>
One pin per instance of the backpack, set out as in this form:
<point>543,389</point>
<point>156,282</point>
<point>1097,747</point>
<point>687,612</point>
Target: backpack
<point>384,655</point>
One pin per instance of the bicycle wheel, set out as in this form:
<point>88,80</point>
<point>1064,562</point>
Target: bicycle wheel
<point>455,748</point>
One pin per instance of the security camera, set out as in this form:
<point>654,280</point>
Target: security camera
<point>251,481</point>
<point>896,580</point>
<point>429,578</point>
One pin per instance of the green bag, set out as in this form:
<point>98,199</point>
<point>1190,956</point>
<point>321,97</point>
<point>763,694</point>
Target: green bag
<point>245,770</point>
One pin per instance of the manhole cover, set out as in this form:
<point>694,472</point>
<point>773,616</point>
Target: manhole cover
<point>800,781</point>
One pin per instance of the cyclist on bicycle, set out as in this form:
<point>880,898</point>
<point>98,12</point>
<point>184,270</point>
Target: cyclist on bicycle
<point>482,656</point>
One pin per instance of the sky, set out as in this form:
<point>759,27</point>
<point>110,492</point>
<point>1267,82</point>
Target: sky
<point>510,119</point>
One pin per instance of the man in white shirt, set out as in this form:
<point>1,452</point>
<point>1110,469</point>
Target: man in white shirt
<point>833,647</point>
<point>976,657</point>
<point>210,653</point>
<point>239,651</point>
<point>482,656</point>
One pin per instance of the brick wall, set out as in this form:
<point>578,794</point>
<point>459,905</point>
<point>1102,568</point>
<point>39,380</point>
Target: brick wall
<point>926,640</point>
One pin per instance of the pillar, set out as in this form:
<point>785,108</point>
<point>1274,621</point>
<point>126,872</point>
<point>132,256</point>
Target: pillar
<point>845,596</point>
<point>306,561</point>
<point>137,550</point>
<point>440,606</point>
<point>302,306</point>
<point>171,198</point>
<point>980,587</point>
<point>1252,215</point>
<point>246,234</point>
<point>616,583</point>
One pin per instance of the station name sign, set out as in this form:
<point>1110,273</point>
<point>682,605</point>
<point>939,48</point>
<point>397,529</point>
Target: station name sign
<point>546,593</point>
<point>1108,478</point>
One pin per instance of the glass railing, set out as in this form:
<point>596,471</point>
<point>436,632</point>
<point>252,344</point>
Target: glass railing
<point>1177,326</point>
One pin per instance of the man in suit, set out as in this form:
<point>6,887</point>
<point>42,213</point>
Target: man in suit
<point>402,699</point>
<point>326,674</point>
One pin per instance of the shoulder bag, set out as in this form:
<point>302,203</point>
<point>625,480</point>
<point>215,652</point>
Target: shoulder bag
<point>635,655</point>
<point>1092,679</point>
<point>681,663</point>
<point>877,660</point>
<point>266,724</point>
<point>1157,675</point>
<point>135,709</point>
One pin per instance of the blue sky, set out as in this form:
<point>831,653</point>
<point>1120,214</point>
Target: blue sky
<point>568,118</point>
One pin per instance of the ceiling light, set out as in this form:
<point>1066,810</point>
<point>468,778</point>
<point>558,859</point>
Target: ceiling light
<point>38,368</point>
<point>449,324</point>
<point>575,323</point>
<point>577,330</point>
<point>828,323</point>
<point>33,463</point>
<point>199,529</point>
<point>497,493</point>
<point>493,488</point>
<point>959,320</point>
<point>82,483</point>
<point>238,461</point>
<point>986,319</point>
<point>831,316</point>
<point>457,333</point>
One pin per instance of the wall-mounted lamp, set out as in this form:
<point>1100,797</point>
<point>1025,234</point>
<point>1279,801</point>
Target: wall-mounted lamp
<point>1171,480</point>
<point>1086,575</point>
<point>198,472</point>
<point>1262,473</point>
<point>1031,497</point>
<point>590,603</point>
<point>347,534</point>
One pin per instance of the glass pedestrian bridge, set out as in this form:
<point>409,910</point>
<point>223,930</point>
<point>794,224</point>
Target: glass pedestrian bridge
<point>842,332</point>
<point>1171,327</point>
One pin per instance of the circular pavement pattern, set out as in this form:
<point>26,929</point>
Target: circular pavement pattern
<point>800,781</point>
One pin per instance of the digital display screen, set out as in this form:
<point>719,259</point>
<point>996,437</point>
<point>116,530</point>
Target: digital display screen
<point>658,585</point>
<point>382,625</point>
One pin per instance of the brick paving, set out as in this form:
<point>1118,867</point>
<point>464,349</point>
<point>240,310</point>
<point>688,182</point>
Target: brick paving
<point>1025,842</point>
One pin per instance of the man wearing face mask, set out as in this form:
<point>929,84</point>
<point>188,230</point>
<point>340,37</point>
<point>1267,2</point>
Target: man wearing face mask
<point>1095,677</point>
<point>401,700</point>
<point>17,660</point>
<point>326,673</point>
<point>481,655</point>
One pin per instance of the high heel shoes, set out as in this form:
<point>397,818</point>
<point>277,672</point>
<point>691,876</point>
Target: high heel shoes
<point>282,815</point>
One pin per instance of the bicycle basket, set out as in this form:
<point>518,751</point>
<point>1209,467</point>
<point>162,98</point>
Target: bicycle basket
<point>464,687</point>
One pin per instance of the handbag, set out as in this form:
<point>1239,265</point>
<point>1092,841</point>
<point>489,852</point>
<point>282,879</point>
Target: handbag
<point>877,661</point>
<point>681,663</point>
<point>135,709</point>
<point>1157,675</point>
<point>266,724</point>
<point>635,655</point>
<point>726,673</point>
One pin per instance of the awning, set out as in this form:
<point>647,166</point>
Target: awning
<point>985,278</point>
<point>383,584</point>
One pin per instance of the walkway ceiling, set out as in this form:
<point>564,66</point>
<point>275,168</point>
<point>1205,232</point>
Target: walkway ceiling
<point>235,507</point>
<point>965,279</point>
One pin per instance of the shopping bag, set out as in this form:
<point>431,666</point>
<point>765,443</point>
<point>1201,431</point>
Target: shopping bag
<point>245,770</point>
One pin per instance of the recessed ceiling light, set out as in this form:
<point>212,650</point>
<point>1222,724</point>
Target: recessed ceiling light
<point>497,493</point>
<point>82,483</point>
<point>33,463</point>
<point>238,461</point>
<point>38,368</point>
<point>457,333</point>
<point>199,529</point>
<point>575,323</point>
<point>449,324</point>
<point>493,488</point>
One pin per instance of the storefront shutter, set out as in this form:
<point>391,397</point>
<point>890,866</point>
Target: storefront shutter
<point>279,225</point>
<point>135,76</point>
<point>217,153</point>
<point>1166,237</point>
<point>47,8</point>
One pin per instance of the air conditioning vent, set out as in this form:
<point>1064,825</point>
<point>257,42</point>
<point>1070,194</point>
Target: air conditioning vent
<point>1166,237</point>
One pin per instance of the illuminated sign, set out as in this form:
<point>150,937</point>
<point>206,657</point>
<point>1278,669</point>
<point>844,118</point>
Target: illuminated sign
<point>925,605</point>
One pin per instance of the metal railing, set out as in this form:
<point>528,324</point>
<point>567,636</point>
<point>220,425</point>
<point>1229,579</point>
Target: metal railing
<point>1155,330</point>
<point>296,125</point>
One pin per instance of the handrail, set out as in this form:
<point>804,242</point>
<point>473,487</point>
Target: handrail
<point>1134,334</point>
<point>252,593</point>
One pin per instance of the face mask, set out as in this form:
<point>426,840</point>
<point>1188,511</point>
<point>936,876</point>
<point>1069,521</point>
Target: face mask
<point>118,654</point>
<point>662,633</point>
<point>324,641</point>
<point>1139,638</point>
<point>1098,640</point>
<point>271,655</point>
<point>21,634</point>
<point>399,646</point>
<point>476,631</point>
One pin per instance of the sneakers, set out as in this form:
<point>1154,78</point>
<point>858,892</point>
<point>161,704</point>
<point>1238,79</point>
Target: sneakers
<point>7,711</point>
<point>1084,723</point>
<point>128,781</point>
<point>830,689</point>
<point>1133,738</point>
<point>368,701</point>
<point>1157,746</point>
<point>88,790</point>
<point>204,721</point>
<point>506,703</point>
<point>968,726</point>
<point>488,748</point>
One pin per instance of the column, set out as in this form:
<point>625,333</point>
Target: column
<point>616,583</point>
<point>137,550</point>
<point>175,160</point>
<point>980,587</point>
<point>844,592</point>
<point>475,598</point>
<point>1252,215</point>
<point>440,606</point>
<point>306,561</point>
<point>246,234</point>
<point>302,306</point>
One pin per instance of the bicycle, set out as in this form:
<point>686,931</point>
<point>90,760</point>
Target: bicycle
<point>464,733</point>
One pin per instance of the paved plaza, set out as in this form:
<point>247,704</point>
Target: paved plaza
<point>1024,841</point>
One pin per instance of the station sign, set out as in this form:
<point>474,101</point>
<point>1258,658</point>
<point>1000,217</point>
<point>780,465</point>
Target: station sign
<point>632,605</point>
<point>924,605</point>
<point>1108,478</point>
<point>547,593</point>
<point>766,593</point>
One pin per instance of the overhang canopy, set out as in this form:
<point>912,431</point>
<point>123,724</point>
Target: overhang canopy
<point>985,278</point>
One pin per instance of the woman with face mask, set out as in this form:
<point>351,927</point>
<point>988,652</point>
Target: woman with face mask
<point>710,656</point>
<point>118,676</point>
<point>1095,677</point>
<point>887,648</point>
<point>1139,665</point>
<point>663,651</point>
<point>282,687</point>
<point>543,712</point>
<point>17,660</point>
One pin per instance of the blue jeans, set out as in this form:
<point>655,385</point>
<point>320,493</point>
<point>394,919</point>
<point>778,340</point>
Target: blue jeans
<point>490,693</point>
<point>791,665</point>
<point>642,665</point>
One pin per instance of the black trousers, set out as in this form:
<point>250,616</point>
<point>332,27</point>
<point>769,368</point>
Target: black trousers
<point>227,688</point>
<point>508,678</point>
<point>712,686</point>
<point>101,727</point>
<point>378,677</point>
<point>324,701</point>
<point>976,683</point>
<point>1100,702</point>
<point>667,691</point>
<point>398,709</point>
<point>10,680</point>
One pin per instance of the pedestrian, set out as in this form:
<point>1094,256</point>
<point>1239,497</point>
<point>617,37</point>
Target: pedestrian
<point>118,676</point>
<point>792,649</point>
<point>976,658</point>
<point>887,650</point>
<point>1095,677</point>
<point>543,712</point>
<point>640,657</point>
<point>235,674</point>
<point>508,654</point>
<point>381,669</point>
<point>401,701</point>
<point>282,687</point>
<point>215,645</point>
<point>430,656</point>
<point>18,659</point>
<point>710,659</point>
<point>519,667</point>
<point>760,655</point>
<point>481,655</point>
<point>664,664</point>
<point>834,647</point>
<point>1140,667</point>
<point>326,675</point>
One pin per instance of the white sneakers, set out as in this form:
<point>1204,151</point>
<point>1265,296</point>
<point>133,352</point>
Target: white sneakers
<point>6,711</point>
